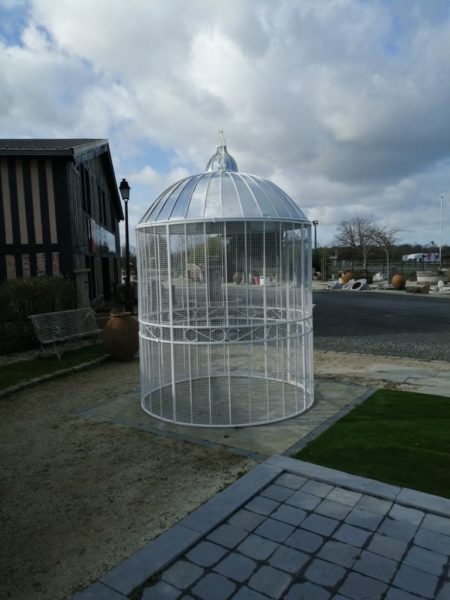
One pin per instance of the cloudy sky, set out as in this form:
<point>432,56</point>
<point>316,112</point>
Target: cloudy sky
<point>343,103</point>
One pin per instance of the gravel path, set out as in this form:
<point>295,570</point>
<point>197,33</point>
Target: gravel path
<point>80,496</point>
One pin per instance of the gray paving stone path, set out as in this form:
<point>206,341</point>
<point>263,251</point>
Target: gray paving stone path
<point>294,530</point>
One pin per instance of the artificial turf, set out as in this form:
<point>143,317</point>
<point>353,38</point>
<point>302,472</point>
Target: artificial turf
<point>398,437</point>
<point>22,371</point>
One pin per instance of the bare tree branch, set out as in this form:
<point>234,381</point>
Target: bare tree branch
<point>385,236</point>
<point>357,233</point>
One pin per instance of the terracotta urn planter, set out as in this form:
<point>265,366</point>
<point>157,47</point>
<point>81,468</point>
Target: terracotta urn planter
<point>346,277</point>
<point>120,336</point>
<point>398,281</point>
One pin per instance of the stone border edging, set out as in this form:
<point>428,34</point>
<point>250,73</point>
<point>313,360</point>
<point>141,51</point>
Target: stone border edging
<point>44,378</point>
<point>312,435</point>
<point>405,496</point>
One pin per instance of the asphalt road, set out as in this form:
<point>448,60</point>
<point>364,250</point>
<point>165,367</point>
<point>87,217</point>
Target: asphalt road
<point>371,323</point>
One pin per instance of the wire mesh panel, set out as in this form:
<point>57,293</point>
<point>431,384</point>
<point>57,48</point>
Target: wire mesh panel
<point>225,317</point>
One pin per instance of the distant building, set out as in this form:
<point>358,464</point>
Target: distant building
<point>429,257</point>
<point>59,213</point>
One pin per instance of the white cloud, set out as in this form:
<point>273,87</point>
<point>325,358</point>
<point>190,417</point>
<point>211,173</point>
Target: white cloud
<point>343,103</point>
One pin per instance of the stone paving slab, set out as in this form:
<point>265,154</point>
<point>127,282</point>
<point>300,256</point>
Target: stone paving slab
<point>331,398</point>
<point>252,542</point>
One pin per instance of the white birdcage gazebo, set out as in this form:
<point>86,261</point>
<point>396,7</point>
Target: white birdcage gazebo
<point>225,301</point>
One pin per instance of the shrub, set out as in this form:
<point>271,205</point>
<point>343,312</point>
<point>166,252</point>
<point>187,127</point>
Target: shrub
<point>20,298</point>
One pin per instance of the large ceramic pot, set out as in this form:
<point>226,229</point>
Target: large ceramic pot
<point>398,281</point>
<point>346,277</point>
<point>120,336</point>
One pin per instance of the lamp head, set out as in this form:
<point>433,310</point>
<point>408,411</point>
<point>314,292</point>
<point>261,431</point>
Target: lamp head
<point>124,190</point>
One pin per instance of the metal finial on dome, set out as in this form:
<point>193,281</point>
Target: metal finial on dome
<point>221,160</point>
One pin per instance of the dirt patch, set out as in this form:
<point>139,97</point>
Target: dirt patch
<point>80,496</point>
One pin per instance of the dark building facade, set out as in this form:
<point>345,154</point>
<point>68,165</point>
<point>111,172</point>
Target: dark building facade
<point>59,213</point>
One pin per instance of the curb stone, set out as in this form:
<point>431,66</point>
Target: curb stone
<point>44,378</point>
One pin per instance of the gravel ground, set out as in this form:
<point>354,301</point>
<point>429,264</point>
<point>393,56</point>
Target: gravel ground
<point>79,496</point>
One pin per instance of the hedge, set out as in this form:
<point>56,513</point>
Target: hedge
<point>20,298</point>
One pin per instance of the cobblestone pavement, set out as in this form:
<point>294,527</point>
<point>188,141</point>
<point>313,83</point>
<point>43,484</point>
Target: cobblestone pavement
<point>293,530</point>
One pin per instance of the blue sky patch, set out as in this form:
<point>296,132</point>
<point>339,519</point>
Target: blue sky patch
<point>12,22</point>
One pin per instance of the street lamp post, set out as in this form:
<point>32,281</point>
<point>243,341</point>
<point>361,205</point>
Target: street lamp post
<point>440,242</point>
<point>315,223</point>
<point>125,193</point>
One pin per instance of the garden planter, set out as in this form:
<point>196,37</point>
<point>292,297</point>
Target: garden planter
<point>398,281</point>
<point>346,277</point>
<point>120,336</point>
<point>430,277</point>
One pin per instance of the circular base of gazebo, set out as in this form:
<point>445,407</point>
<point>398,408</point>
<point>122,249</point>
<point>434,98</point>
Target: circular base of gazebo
<point>234,401</point>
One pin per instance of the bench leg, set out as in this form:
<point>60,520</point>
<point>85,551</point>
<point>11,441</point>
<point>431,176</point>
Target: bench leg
<point>51,347</point>
<point>60,348</point>
<point>58,354</point>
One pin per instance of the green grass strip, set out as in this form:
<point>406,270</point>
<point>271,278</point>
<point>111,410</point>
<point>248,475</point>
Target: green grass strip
<point>398,437</point>
<point>23,371</point>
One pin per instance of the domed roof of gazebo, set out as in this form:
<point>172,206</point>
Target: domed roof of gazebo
<point>221,193</point>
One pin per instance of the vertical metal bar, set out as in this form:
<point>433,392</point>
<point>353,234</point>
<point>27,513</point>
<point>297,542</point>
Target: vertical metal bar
<point>227,319</point>
<point>225,282</point>
<point>206,259</point>
<point>294,310</point>
<point>248,253</point>
<point>229,382</point>
<point>310,333</point>
<point>266,370</point>
<point>280,307</point>
<point>288,304</point>
<point>305,282</point>
<point>188,318</point>
<point>247,272</point>
<point>207,296</point>
<point>160,321</point>
<point>172,346</point>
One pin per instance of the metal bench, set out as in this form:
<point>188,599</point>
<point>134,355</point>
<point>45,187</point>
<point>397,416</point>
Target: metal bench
<point>55,328</point>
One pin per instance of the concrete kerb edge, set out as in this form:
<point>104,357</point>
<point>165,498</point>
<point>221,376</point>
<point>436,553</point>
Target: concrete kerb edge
<point>99,591</point>
<point>175,435</point>
<point>404,496</point>
<point>164,550</point>
<point>44,378</point>
<point>339,478</point>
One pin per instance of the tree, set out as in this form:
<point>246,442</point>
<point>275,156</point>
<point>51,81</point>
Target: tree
<point>385,237</point>
<point>357,233</point>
